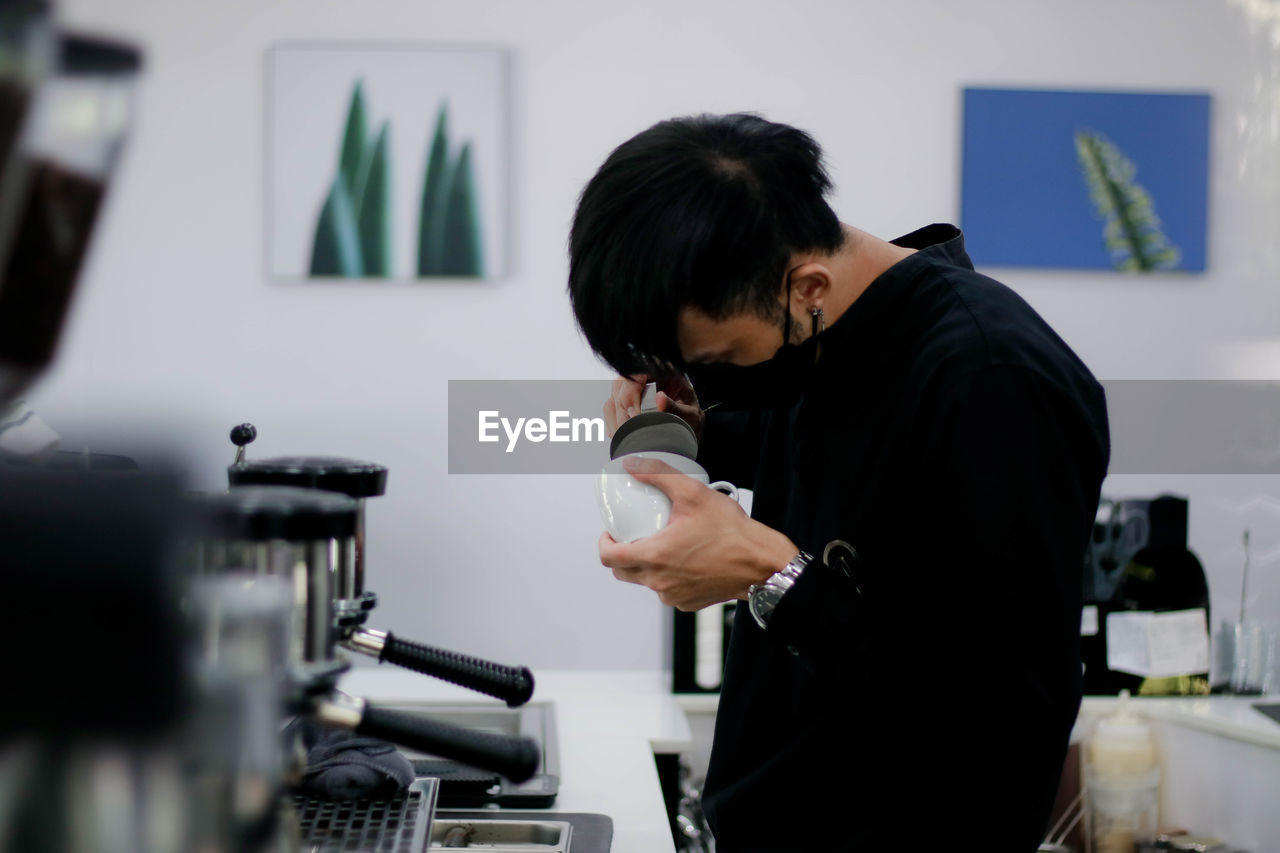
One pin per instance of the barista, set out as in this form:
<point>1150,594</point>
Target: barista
<point>911,420</point>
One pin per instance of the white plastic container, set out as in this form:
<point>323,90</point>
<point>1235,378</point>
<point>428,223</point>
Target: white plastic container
<point>1122,778</point>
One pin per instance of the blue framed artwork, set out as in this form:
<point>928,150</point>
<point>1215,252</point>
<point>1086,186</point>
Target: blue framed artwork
<point>1086,180</point>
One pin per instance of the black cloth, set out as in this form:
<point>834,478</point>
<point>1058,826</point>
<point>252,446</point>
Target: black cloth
<point>957,443</point>
<point>345,766</point>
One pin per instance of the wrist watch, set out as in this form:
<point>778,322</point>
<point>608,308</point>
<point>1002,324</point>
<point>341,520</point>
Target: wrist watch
<point>764,597</point>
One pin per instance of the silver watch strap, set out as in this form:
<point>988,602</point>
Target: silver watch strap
<point>790,572</point>
<point>780,582</point>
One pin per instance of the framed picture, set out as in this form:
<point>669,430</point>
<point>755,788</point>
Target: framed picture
<point>1086,180</point>
<point>386,162</point>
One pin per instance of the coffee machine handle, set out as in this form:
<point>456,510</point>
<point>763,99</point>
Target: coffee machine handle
<point>516,758</point>
<point>240,436</point>
<point>511,684</point>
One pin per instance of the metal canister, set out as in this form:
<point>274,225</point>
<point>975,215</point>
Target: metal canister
<point>290,533</point>
<point>238,762</point>
<point>354,478</point>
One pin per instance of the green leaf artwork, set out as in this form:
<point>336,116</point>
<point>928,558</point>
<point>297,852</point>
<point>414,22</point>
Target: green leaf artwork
<point>353,139</point>
<point>352,235</point>
<point>462,252</point>
<point>373,207</point>
<point>450,235</point>
<point>336,248</point>
<point>1132,232</point>
<point>431,213</point>
<point>353,229</point>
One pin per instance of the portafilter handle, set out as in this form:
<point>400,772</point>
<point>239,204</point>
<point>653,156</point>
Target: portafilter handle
<point>240,436</point>
<point>516,758</point>
<point>511,684</point>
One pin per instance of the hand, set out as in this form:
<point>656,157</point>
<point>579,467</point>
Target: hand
<point>710,551</point>
<point>675,395</point>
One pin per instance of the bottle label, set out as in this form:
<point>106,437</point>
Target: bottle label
<point>1158,645</point>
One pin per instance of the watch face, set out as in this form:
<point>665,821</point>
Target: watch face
<point>763,601</point>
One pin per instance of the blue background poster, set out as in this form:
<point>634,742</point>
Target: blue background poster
<point>1027,195</point>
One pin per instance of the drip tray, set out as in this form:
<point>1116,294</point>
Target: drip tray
<point>463,787</point>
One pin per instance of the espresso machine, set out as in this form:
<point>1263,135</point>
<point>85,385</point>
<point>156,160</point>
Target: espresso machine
<point>289,536</point>
<point>169,637</point>
<point>129,727</point>
<point>186,630</point>
<point>104,712</point>
<point>352,600</point>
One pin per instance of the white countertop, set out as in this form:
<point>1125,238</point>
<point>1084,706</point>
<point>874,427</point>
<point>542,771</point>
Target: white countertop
<point>1229,716</point>
<point>609,725</point>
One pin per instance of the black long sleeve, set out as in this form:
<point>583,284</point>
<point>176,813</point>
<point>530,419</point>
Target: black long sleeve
<point>1008,477</point>
<point>986,604</point>
<point>956,442</point>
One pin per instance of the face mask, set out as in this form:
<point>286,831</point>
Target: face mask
<point>775,383</point>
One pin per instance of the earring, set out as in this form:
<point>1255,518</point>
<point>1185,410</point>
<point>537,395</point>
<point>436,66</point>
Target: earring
<point>819,322</point>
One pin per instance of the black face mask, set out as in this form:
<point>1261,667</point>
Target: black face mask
<point>772,384</point>
<point>775,383</point>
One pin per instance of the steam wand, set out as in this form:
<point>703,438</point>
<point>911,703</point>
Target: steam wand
<point>1244,578</point>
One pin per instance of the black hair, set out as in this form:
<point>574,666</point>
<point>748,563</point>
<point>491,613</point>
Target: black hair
<point>703,211</point>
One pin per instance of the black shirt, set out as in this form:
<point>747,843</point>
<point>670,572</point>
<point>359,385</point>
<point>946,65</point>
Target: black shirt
<point>952,438</point>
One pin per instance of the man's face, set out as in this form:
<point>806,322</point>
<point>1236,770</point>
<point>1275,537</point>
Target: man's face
<point>741,339</point>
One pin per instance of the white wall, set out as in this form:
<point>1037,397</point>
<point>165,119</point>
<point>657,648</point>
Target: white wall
<point>177,324</point>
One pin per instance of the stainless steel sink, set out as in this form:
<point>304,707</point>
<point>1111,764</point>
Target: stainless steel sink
<point>550,836</point>
<point>523,831</point>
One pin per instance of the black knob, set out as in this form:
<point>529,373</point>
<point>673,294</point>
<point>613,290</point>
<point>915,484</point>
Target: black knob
<point>243,434</point>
